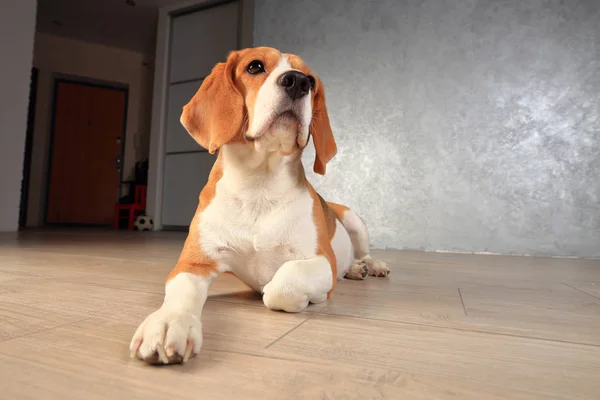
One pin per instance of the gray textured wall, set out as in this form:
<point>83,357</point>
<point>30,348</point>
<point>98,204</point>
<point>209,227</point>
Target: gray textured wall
<point>462,125</point>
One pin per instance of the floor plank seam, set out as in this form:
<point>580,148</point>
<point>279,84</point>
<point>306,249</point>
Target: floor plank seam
<point>323,310</point>
<point>46,329</point>
<point>290,331</point>
<point>93,256</point>
<point>236,302</point>
<point>73,281</point>
<point>258,355</point>
<point>453,328</point>
<point>580,290</point>
<point>257,304</point>
<point>462,302</point>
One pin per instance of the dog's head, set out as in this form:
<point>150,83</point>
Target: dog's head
<point>264,99</point>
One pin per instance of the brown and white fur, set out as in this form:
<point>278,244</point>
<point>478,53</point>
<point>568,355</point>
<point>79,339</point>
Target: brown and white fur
<point>258,217</point>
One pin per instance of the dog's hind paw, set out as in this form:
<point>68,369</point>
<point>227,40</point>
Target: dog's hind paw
<point>357,271</point>
<point>376,267</point>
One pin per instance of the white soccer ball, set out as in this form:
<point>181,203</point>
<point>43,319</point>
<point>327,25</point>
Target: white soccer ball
<point>143,223</point>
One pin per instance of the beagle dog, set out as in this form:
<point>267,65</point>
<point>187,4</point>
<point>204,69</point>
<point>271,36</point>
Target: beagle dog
<point>258,217</point>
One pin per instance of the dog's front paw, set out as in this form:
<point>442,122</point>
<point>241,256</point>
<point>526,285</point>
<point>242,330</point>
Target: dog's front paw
<point>376,267</point>
<point>280,296</point>
<point>167,337</point>
<point>297,283</point>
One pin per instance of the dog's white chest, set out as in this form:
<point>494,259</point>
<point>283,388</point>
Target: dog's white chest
<point>254,237</point>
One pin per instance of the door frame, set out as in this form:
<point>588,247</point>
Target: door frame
<point>31,113</point>
<point>57,80</point>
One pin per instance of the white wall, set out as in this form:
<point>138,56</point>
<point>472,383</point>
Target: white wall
<point>59,57</point>
<point>17,27</point>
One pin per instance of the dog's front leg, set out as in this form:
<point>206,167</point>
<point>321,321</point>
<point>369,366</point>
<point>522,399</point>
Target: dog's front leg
<point>173,333</point>
<point>297,283</point>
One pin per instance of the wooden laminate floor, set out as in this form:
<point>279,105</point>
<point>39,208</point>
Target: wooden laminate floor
<point>443,326</point>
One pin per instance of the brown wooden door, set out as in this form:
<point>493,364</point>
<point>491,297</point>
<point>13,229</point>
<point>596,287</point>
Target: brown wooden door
<point>88,129</point>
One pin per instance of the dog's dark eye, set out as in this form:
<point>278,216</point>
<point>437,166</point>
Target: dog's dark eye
<point>255,67</point>
<point>311,79</point>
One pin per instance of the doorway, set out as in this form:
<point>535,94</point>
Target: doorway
<point>86,153</point>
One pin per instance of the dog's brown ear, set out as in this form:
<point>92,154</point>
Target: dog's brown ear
<point>320,129</point>
<point>214,116</point>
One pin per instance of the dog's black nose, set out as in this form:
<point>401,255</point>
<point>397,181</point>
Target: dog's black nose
<point>295,83</point>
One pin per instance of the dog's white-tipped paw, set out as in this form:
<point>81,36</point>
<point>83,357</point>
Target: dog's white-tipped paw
<point>357,271</point>
<point>287,298</point>
<point>376,267</point>
<point>167,337</point>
